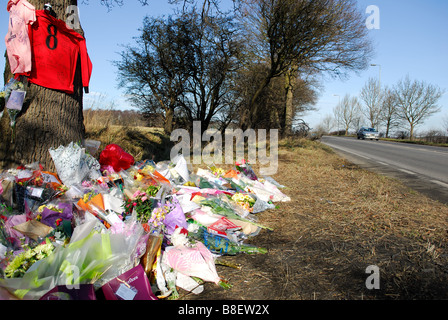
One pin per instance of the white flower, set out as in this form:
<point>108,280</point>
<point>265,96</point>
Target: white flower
<point>178,238</point>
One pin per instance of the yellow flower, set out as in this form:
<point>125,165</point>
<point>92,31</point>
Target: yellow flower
<point>148,169</point>
<point>217,171</point>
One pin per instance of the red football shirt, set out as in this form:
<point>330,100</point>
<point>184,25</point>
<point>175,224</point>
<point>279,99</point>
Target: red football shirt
<point>55,53</point>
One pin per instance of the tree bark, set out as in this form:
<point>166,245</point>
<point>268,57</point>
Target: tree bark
<point>289,109</point>
<point>169,116</point>
<point>48,119</point>
<point>411,132</point>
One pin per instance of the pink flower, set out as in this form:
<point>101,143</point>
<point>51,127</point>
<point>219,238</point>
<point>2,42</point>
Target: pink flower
<point>138,193</point>
<point>243,161</point>
<point>134,204</point>
<point>144,198</point>
<point>86,184</point>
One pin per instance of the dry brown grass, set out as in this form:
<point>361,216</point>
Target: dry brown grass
<point>141,142</point>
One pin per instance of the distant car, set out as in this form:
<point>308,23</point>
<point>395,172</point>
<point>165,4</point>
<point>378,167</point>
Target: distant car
<point>368,133</point>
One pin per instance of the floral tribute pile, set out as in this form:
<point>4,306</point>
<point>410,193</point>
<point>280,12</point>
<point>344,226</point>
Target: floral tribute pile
<point>115,229</point>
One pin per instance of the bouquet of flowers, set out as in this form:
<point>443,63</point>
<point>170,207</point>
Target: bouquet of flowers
<point>5,238</point>
<point>221,245</point>
<point>22,262</point>
<point>245,168</point>
<point>13,97</point>
<point>244,200</point>
<point>9,236</point>
<point>89,195</point>
<point>142,202</point>
<point>59,218</point>
<point>221,206</point>
<point>219,172</point>
<point>99,257</point>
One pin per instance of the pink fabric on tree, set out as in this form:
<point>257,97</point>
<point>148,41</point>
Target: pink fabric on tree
<point>21,14</point>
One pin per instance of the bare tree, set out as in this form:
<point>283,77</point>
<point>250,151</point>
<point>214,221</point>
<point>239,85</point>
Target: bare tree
<point>445,123</point>
<point>372,97</point>
<point>389,112</point>
<point>348,112</point>
<point>416,101</point>
<point>152,71</point>
<point>326,125</point>
<point>182,66</point>
<point>271,101</point>
<point>321,35</point>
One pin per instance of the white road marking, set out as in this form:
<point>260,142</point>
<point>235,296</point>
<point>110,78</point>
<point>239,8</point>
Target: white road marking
<point>406,171</point>
<point>440,183</point>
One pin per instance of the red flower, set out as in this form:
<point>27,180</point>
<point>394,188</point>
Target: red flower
<point>146,227</point>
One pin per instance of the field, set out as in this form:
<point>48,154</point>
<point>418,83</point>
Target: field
<point>341,220</point>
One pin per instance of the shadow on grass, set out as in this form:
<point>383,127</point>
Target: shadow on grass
<point>150,149</point>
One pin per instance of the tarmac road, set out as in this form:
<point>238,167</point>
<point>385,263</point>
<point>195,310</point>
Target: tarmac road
<point>423,168</point>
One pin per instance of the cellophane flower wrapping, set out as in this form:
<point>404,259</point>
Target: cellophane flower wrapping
<point>51,215</point>
<point>95,258</point>
<point>245,168</point>
<point>116,210</point>
<point>15,238</point>
<point>65,293</point>
<point>195,261</point>
<point>175,217</point>
<point>73,165</point>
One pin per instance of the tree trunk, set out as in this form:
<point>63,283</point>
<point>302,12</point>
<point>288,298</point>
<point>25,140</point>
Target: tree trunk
<point>411,132</point>
<point>387,128</point>
<point>289,110</point>
<point>249,114</point>
<point>49,118</point>
<point>169,116</point>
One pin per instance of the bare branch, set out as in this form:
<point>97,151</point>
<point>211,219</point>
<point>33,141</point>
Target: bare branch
<point>416,101</point>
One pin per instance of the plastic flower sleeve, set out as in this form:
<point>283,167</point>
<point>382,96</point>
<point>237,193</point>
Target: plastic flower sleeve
<point>64,293</point>
<point>73,165</point>
<point>175,218</point>
<point>261,205</point>
<point>50,216</point>
<point>96,258</point>
<point>14,106</point>
<point>153,246</point>
<point>15,236</point>
<point>196,261</point>
<point>247,170</point>
<point>221,245</point>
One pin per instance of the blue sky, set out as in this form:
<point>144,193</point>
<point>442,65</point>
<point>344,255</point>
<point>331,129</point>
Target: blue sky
<point>412,40</point>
